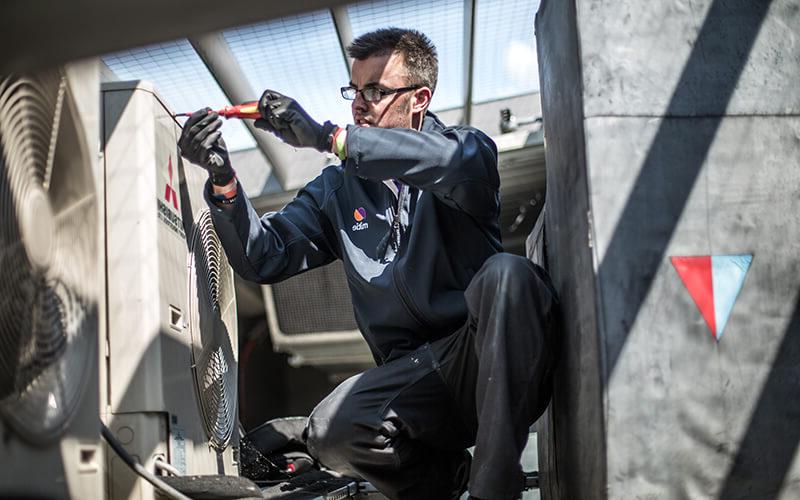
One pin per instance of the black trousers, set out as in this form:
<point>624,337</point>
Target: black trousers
<point>403,425</point>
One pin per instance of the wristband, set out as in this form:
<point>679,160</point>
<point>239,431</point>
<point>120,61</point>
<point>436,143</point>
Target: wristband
<point>227,201</point>
<point>226,197</point>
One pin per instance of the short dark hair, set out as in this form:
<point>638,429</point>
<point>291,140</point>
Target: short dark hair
<point>419,53</point>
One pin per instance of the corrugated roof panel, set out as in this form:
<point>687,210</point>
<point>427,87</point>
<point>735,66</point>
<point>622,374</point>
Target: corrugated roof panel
<point>181,79</point>
<point>442,21</point>
<point>298,56</point>
<point>505,62</point>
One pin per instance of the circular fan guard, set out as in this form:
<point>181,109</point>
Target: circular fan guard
<point>48,250</point>
<point>212,323</point>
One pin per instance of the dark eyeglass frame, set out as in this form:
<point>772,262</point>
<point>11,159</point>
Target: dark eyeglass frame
<point>381,93</point>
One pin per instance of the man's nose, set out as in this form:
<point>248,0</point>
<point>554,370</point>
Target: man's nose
<point>359,104</point>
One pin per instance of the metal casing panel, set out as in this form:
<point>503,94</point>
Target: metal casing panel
<point>84,455</point>
<point>670,138</point>
<point>152,200</point>
<point>146,255</point>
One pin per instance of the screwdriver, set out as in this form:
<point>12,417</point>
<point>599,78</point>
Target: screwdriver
<point>246,110</point>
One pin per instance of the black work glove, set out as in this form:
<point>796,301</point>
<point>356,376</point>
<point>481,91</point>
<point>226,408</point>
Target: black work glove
<point>201,143</point>
<point>285,118</point>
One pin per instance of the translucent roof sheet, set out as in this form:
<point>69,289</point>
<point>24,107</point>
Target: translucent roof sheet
<point>301,57</point>
<point>298,56</point>
<point>505,62</point>
<point>442,21</point>
<point>181,79</point>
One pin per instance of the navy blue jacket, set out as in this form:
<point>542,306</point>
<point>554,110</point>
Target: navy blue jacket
<point>406,274</point>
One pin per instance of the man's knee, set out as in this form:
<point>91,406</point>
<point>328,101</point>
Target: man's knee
<point>513,272</point>
<point>326,442</point>
<point>506,264</point>
<point>330,431</point>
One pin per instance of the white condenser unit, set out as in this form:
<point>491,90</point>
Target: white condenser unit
<point>170,366</point>
<point>50,284</point>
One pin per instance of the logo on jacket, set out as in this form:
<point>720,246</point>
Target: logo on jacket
<point>359,215</point>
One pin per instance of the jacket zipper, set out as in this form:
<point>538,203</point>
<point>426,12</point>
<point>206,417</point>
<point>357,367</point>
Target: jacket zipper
<point>411,308</point>
<point>408,303</point>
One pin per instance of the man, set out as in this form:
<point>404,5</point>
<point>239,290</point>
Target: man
<point>460,332</point>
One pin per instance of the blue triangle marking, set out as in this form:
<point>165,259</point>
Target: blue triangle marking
<point>728,273</point>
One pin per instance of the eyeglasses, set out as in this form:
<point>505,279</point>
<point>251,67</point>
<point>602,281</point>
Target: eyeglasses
<point>373,94</point>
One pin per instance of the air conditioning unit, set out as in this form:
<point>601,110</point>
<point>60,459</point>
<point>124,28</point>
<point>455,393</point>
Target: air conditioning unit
<point>310,316</point>
<point>51,287</point>
<point>170,370</point>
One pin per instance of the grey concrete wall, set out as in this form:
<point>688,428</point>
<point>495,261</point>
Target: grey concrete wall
<point>685,140</point>
<point>636,56</point>
<point>679,403</point>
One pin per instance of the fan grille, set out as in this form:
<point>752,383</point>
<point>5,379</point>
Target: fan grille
<point>48,239</point>
<point>213,325</point>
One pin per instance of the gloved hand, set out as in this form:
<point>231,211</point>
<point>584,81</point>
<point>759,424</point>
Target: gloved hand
<point>201,143</point>
<point>285,118</point>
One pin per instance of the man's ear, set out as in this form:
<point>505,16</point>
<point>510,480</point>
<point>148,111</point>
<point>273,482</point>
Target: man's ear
<point>421,99</point>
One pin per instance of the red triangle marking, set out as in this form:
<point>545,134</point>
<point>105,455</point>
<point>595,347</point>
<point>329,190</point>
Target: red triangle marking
<point>170,191</point>
<point>695,272</point>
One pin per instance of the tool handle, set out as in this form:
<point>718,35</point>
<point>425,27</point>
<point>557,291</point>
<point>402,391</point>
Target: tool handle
<point>247,110</point>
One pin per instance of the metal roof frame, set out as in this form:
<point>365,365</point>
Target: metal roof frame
<point>33,34</point>
<point>341,20</point>
<point>469,56</point>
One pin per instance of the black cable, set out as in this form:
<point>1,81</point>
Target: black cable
<point>137,467</point>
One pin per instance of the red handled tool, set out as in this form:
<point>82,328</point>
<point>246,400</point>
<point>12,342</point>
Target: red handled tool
<point>246,110</point>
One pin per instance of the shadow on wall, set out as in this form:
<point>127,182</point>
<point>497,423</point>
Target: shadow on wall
<point>759,469</point>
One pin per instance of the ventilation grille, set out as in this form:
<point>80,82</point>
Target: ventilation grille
<point>212,304</point>
<point>316,301</point>
<point>48,252</point>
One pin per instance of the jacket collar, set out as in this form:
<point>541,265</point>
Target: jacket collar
<point>431,122</point>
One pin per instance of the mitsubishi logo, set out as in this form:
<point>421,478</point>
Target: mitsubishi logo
<point>172,218</point>
<point>170,191</point>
